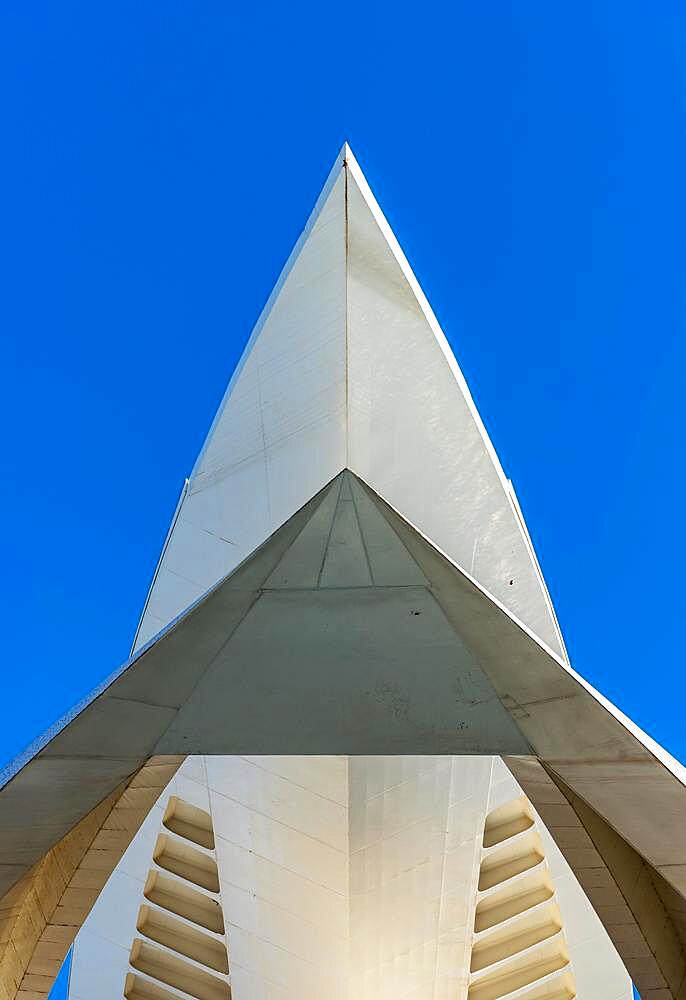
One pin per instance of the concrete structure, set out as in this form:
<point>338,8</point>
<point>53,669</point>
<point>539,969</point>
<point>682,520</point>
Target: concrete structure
<point>342,877</point>
<point>347,571</point>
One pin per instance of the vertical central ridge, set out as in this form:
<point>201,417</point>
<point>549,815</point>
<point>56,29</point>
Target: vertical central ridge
<point>347,367</point>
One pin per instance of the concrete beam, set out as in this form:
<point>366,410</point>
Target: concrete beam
<point>628,895</point>
<point>41,914</point>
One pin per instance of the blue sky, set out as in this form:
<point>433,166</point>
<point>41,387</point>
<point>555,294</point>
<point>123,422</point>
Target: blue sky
<point>159,162</point>
<point>61,985</point>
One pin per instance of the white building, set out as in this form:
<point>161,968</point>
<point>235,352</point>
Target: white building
<point>349,756</point>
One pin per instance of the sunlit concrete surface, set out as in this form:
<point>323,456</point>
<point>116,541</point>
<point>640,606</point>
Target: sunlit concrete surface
<point>360,877</point>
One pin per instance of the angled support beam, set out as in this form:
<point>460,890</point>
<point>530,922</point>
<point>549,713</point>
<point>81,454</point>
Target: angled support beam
<point>41,914</point>
<point>628,895</point>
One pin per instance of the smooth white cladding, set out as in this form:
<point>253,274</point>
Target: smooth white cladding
<point>414,434</point>
<point>279,435</point>
<point>348,367</point>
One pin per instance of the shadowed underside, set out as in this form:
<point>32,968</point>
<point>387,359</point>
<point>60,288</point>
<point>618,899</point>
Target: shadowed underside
<point>347,628</point>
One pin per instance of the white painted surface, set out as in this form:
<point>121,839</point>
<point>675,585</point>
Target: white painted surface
<point>279,435</point>
<point>347,367</point>
<point>414,434</point>
<point>283,854</point>
<point>347,878</point>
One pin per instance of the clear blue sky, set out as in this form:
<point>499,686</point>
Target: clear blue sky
<point>159,160</point>
<point>61,986</point>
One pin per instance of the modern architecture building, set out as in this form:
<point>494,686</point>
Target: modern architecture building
<point>348,757</point>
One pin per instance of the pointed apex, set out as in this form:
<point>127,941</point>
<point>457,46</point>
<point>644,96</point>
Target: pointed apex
<point>339,165</point>
<point>328,381</point>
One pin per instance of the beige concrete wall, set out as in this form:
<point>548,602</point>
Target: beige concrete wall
<point>41,915</point>
<point>630,897</point>
<point>347,877</point>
